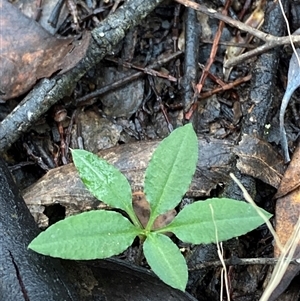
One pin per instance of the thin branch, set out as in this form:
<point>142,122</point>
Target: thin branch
<point>213,52</point>
<point>234,23</point>
<point>235,261</point>
<point>271,41</point>
<point>225,87</point>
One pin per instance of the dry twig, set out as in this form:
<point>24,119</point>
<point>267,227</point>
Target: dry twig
<point>270,40</point>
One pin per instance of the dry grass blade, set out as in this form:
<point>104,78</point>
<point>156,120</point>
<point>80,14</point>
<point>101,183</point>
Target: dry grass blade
<point>220,254</point>
<point>283,263</point>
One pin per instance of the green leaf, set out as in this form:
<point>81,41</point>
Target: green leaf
<point>89,235</point>
<point>170,170</point>
<point>103,180</point>
<point>165,260</point>
<point>196,224</point>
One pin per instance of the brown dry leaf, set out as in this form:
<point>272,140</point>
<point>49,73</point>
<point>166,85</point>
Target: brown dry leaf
<point>142,210</point>
<point>291,177</point>
<point>76,53</point>
<point>27,51</point>
<point>286,216</point>
<point>258,159</point>
<point>288,202</point>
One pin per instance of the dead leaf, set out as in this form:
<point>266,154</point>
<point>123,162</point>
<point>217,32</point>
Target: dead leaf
<point>77,52</point>
<point>142,210</point>
<point>27,51</point>
<point>258,159</point>
<point>291,177</point>
<point>286,216</point>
